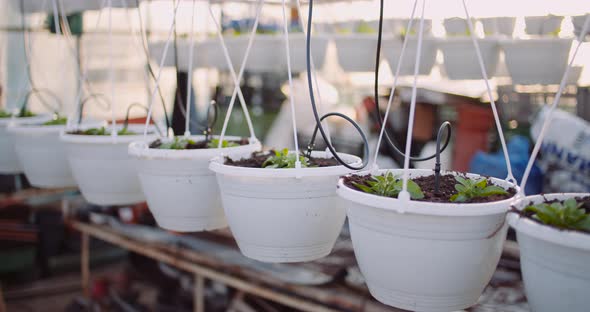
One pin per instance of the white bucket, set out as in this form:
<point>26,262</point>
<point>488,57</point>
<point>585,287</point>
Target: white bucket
<point>555,264</point>
<point>542,25</point>
<point>498,25</point>
<point>424,256</point>
<point>9,163</point>
<point>536,61</point>
<point>392,47</point>
<point>460,59</point>
<point>180,190</point>
<point>283,215</point>
<point>102,168</point>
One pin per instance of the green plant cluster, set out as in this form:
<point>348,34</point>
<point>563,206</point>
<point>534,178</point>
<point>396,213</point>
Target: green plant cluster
<point>564,215</point>
<point>177,144</point>
<point>5,114</point>
<point>390,185</point>
<point>468,189</point>
<point>104,131</point>
<point>56,121</point>
<point>214,143</point>
<point>26,113</point>
<point>284,159</point>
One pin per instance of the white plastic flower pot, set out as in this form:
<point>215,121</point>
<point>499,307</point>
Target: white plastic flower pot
<point>460,59</point>
<point>356,52</point>
<point>102,167</point>
<point>9,163</point>
<point>283,215</point>
<point>264,54</point>
<point>424,256</point>
<point>180,190</point>
<point>578,22</point>
<point>542,25</point>
<point>536,61</point>
<point>498,25</point>
<point>42,155</point>
<point>392,47</point>
<point>297,46</point>
<point>555,264</point>
<point>157,51</point>
<point>456,26</point>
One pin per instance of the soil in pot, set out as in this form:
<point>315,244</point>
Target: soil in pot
<point>102,131</point>
<point>259,160</point>
<point>447,188</point>
<point>569,215</point>
<point>187,144</point>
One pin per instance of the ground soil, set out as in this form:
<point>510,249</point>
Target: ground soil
<point>585,201</point>
<point>426,183</point>
<point>199,144</point>
<point>258,158</point>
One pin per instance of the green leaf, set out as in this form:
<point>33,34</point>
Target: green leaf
<point>564,215</point>
<point>415,190</point>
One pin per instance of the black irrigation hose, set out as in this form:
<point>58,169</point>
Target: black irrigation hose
<point>390,140</point>
<point>311,145</point>
<point>144,45</point>
<point>136,104</point>
<point>211,123</point>
<point>444,125</point>
<point>34,89</point>
<point>88,98</point>
<point>315,110</point>
<point>38,92</point>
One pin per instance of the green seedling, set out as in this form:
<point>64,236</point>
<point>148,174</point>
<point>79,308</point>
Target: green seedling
<point>389,185</point>
<point>56,121</point>
<point>284,159</point>
<point>469,189</point>
<point>103,131</point>
<point>564,215</point>
<point>214,143</point>
<point>5,114</point>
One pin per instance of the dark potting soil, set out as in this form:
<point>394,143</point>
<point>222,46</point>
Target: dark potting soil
<point>258,158</point>
<point>426,183</point>
<point>200,144</point>
<point>585,201</point>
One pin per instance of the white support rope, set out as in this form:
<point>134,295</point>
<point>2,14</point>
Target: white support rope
<point>83,74</point>
<point>292,93</point>
<point>157,82</point>
<point>404,195</point>
<point>549,113</point>
<point>238,78</point>
<point>325,124</point>
<point>189,87</point>
<point>112,72</point>
<point>373,166</point>
<point>25,82</point>
<point>510,178</point>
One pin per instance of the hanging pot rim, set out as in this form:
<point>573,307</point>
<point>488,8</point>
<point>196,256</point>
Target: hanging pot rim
<point>424,207</point>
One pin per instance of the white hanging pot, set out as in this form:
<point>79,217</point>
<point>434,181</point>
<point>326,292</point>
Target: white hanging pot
<point>578,22</point>
<point>9,163</point>
<point>180,190</point>
<point>157,51</point>
<point>498,25</point>
<point>42,155</point>
<point>264,54</point>
<point>424,256</point>
<point>536,61</point>
<point>297,46</point>
<point>356,52</point>
<point>283,215</point>
<point>456,26</point>
<point>543,25</point>
<point>102,168</point>
<point>392,47</point>
<point>555,263</point>
<point>460,59</point>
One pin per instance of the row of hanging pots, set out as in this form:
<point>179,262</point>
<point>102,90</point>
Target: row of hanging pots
<point>522,56</point>
<point>69,6</point>
<point>266,55</point>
